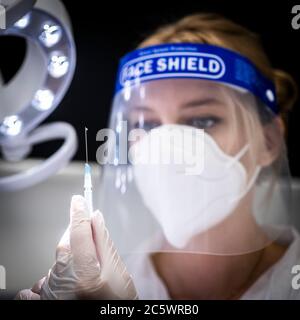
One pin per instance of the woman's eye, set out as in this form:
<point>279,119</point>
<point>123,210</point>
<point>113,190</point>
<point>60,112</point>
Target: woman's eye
<point>203,122</point>
<point>145,125</point>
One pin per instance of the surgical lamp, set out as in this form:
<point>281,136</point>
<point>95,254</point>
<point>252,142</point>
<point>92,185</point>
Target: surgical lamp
<point>37,89</point>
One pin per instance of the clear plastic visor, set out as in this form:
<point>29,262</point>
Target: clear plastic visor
<point>193,166</point>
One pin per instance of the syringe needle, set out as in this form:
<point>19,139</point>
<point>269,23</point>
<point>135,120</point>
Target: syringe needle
<point>86,145</point>
<point>88,179</point>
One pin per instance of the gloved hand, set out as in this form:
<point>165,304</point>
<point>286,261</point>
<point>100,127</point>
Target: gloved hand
<point>31,294</point>
<point>87,264</point>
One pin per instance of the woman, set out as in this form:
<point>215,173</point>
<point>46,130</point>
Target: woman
<point>208,219</point>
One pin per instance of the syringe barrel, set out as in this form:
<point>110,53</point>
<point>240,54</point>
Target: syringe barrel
<point>88,195</point>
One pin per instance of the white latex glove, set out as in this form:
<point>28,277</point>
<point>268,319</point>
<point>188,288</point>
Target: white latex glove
<point>31,294</point>
<point>87,264</point>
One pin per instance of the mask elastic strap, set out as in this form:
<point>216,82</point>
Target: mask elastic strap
<point>238,156</point>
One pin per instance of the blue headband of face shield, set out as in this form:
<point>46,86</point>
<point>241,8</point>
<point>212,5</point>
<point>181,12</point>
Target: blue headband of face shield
<point>199,61</point>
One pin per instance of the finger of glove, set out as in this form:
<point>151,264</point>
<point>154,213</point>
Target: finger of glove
<point>113,268</point>
<point>81,240</point>
<point>100,236</point>
<point>105,248</point>
<point>27,294</point>
<point>37,287</point>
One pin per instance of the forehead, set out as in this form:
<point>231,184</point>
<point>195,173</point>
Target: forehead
<point>179,89</point>
<point>171,97</point>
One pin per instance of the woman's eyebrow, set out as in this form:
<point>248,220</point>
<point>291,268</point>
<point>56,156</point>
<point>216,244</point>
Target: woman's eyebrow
<point>200,102</point>
<point>140,108</point>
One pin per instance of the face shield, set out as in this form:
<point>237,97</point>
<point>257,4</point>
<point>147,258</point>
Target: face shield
<point>195,159</point>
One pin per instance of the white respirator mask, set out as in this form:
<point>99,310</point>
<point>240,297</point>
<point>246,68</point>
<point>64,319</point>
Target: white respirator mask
<point>188,202</point>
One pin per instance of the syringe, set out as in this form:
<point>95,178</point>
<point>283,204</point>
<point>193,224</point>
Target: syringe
<point>88,193</point>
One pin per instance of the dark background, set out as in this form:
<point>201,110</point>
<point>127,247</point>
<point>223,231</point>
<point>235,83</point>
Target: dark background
<point>106,32</point>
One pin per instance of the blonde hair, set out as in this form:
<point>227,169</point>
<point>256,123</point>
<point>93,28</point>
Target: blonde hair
<point>214,29</point>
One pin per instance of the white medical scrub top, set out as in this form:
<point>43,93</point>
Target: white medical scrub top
<point>274,284</point>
